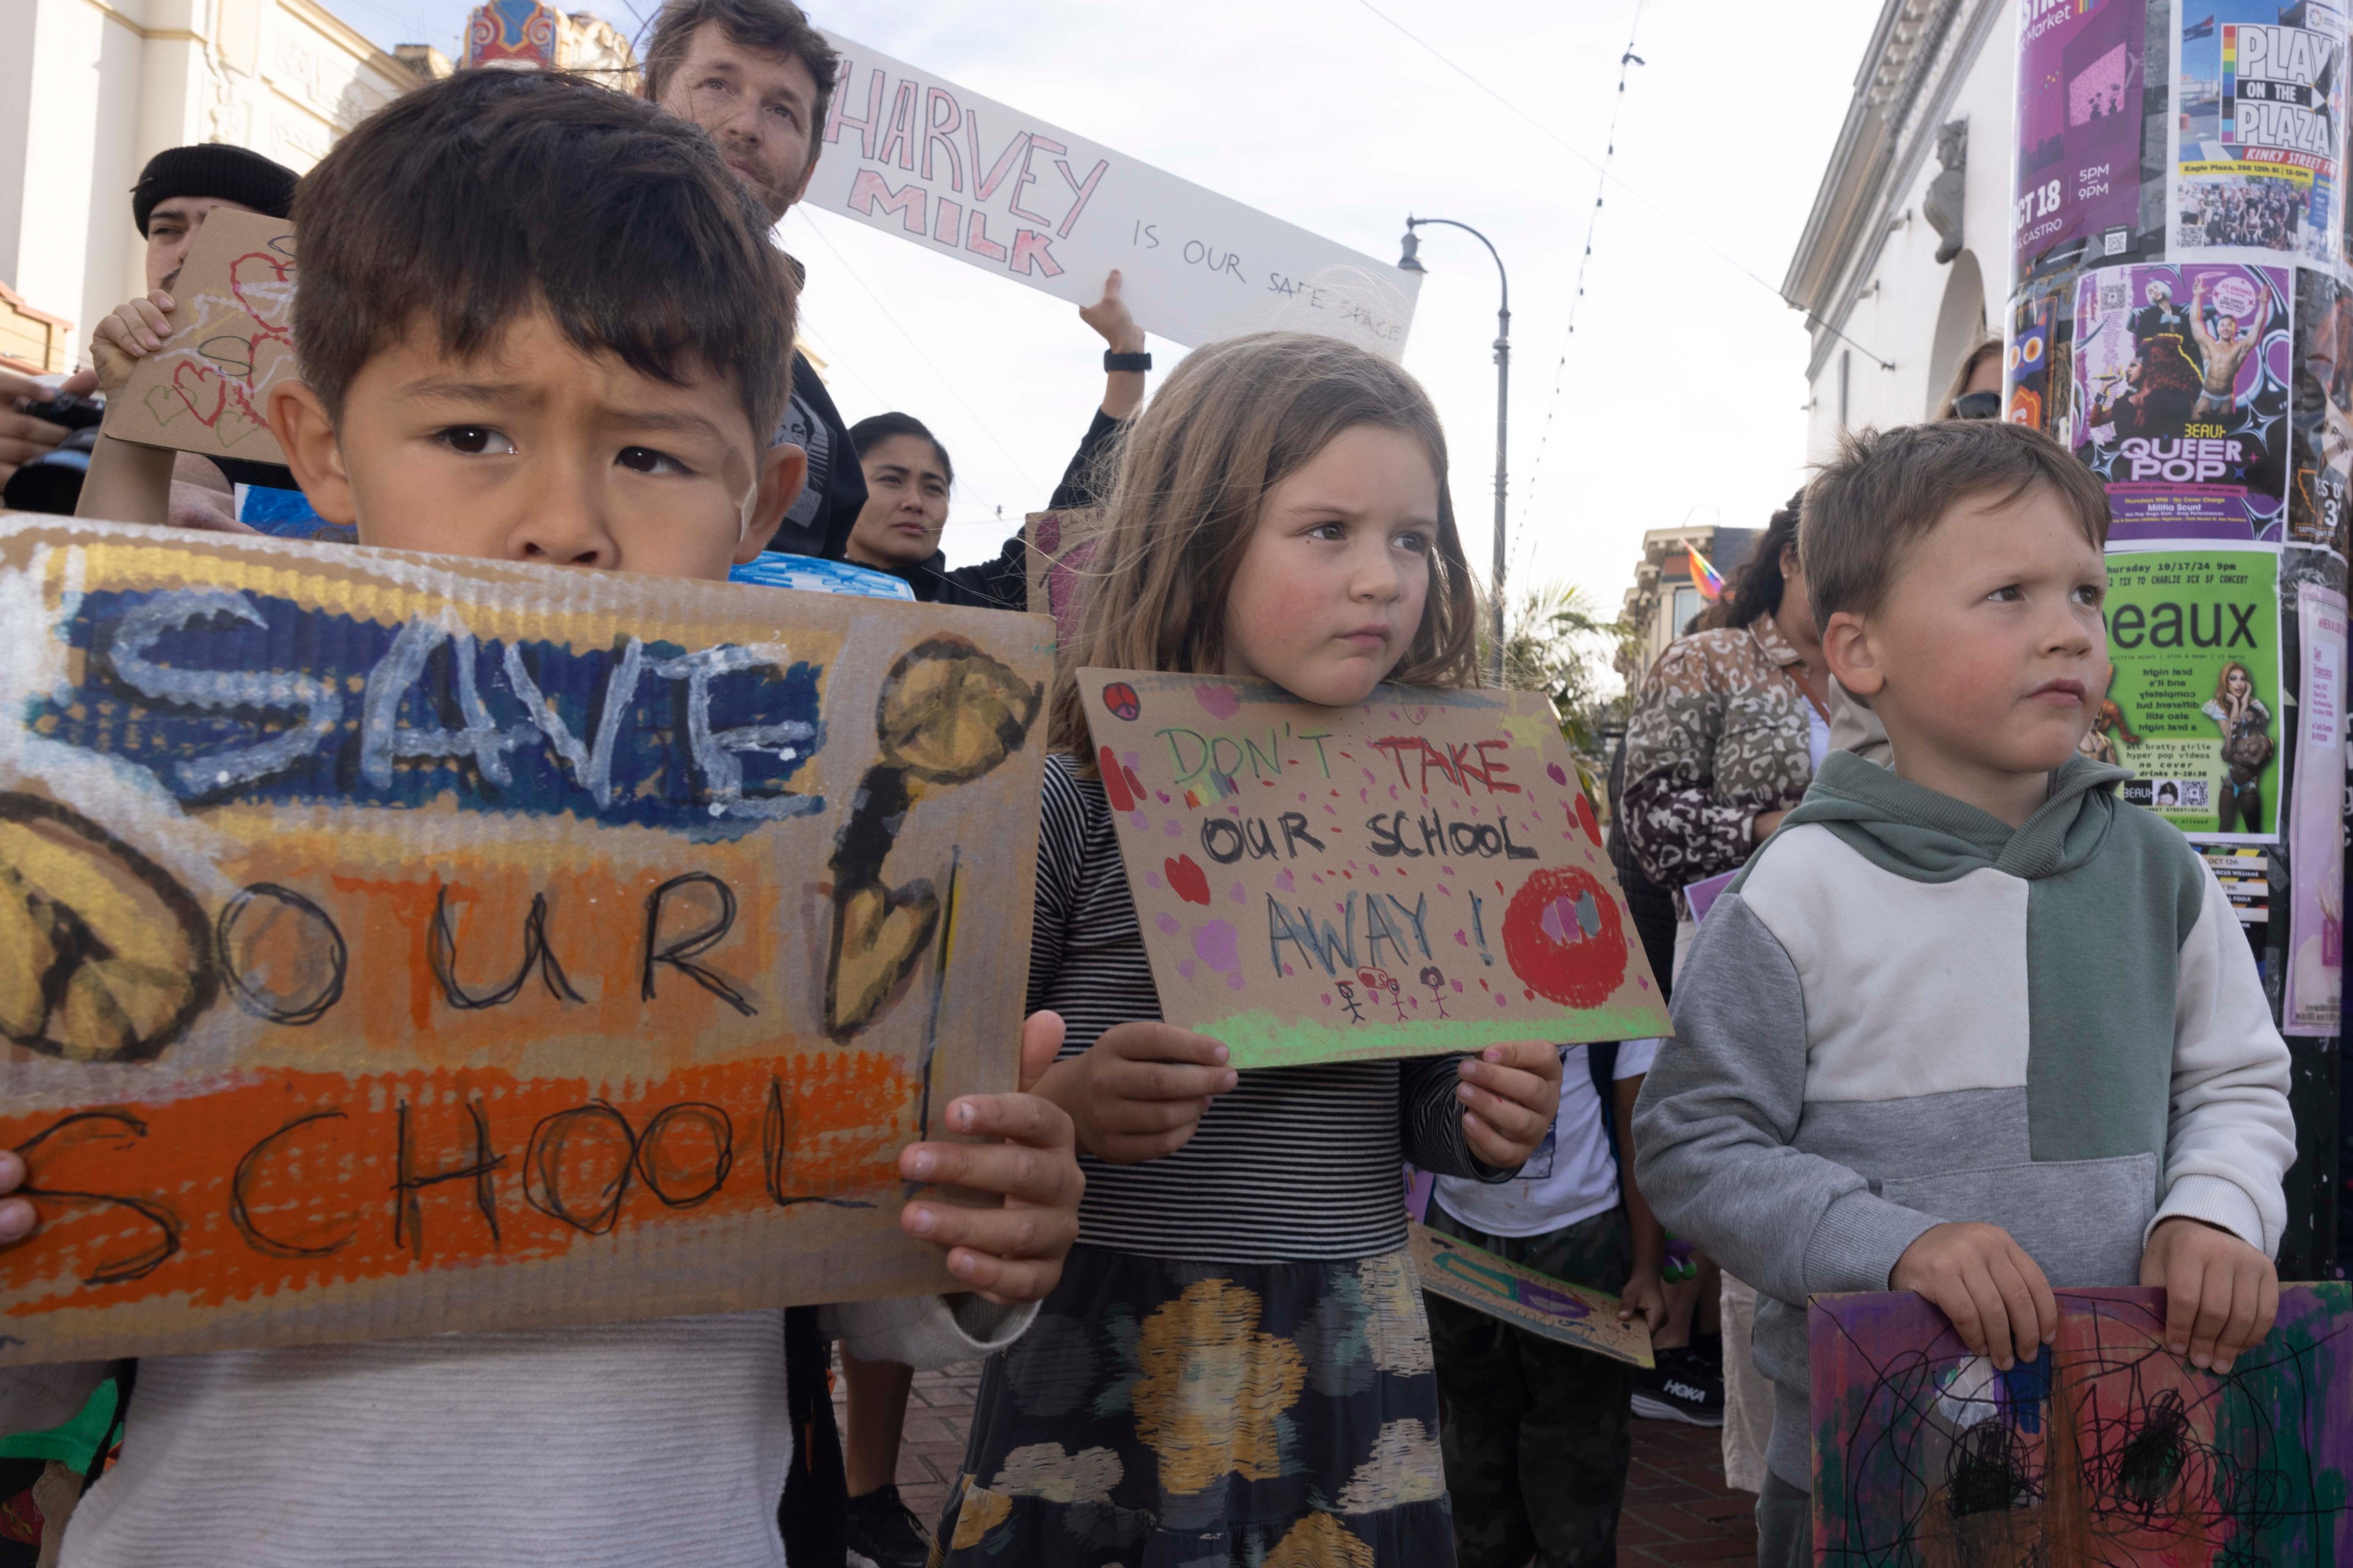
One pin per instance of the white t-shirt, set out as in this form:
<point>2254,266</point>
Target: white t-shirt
<point>1570,1177</point>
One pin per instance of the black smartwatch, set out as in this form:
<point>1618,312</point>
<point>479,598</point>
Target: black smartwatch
<point>1114,361</point>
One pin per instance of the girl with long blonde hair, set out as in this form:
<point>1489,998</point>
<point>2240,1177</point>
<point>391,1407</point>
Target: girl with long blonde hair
<point>1236,1366</point>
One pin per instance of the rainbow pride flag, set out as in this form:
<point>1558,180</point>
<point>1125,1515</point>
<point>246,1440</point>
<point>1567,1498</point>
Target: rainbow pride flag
<point>1709,581</point>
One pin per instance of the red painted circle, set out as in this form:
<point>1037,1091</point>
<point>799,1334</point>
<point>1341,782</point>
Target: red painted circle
<point>1546,942</point>
<point>1121,700</point>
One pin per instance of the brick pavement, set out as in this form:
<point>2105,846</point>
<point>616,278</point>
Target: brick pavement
<point>1678,1509</point>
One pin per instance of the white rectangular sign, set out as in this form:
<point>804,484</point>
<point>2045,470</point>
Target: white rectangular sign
<point>916,155</point>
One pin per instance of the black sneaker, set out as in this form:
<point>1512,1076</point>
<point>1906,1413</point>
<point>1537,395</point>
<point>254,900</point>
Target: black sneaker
<point>1682,1387</point>
<point>885,1532</point>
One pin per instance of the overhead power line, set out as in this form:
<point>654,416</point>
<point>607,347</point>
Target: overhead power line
<point>1626,62</point>
<point>1665,213</point>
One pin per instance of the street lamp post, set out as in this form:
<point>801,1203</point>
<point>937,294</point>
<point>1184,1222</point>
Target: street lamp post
<point>1412,262</point>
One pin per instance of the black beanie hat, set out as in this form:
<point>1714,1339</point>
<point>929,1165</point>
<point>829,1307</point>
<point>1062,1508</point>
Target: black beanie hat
<point>213,169</point>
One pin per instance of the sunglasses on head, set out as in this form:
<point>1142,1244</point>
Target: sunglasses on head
<point>1978,405</point>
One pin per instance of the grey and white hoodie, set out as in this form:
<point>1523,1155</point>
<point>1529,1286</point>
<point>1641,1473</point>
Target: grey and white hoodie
<point>1903,1012</point>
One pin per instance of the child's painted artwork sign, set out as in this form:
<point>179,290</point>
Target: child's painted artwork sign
<point>1415,875</point>
<point>393,944</point>
<point>1516,1294</point>
<point>911,153</point>
<point>2106,1449</point>
<point>207,389</point>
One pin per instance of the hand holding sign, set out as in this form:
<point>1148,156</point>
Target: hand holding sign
<point>18,1216</point>
<point>1510,1095</point>
<point>1138,1092</point>
<point>1014,1253</point>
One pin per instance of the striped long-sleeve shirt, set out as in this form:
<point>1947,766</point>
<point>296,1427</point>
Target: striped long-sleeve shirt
<point>1296,1164</point>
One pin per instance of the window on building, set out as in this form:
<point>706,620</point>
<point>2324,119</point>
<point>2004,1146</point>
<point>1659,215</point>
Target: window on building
<point>1687,603</point>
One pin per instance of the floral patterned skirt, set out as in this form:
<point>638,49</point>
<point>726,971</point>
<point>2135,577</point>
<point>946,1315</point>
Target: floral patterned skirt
<point>1163,1414</point>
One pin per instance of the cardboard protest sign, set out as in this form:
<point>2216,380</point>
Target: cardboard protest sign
<point>2180,398</point>
<point>911,153</point>
<point>207,390</point>
<point>1572,1315</point>
<point>2194,707</point>
<point>393,944</point>
<point>1060,544</point>
<point>1415,875</point>
<point>2107,1448</point>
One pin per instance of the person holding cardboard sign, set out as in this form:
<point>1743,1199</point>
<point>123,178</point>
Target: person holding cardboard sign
<point>177,191</point>
<point>1237,1359</point>
<point>477,384</point>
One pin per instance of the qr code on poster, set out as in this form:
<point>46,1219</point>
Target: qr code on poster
<point>2188,794</point>
<point>2114,296</point>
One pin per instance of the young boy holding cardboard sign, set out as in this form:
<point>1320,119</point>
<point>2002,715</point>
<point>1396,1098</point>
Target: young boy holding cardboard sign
<point>541,324</point>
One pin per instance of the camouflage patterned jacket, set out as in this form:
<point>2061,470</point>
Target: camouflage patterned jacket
<point>1719,735</point>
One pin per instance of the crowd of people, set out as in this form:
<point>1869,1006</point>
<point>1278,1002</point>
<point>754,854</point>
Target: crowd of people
<point>1933,1033</point>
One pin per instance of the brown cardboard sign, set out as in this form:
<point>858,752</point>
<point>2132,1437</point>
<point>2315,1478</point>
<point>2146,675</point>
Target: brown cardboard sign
<point>393,944</point>
<point>1450,1267</point>
<point>207,390</point>
<point>1414,875</point>
<point>1061,544</point>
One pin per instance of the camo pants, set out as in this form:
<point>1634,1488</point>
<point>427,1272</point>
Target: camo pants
<point>1537,1435</point>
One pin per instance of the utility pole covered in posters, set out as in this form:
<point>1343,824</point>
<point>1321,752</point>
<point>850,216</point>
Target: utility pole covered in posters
<point>2181,315</point>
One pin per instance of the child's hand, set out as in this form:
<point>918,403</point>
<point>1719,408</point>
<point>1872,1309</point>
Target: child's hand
<point>17,1217</point>
<point>2220,1293</point>
<point>1644,1293</point>
<point>1510,1095</point>
<point>1138,1092</point>
<point>1983,1280</point>
<point>1012,1254</point>
<point>135,329</point>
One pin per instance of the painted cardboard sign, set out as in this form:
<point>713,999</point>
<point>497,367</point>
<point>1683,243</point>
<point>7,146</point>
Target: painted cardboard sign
<point>395,945</point>
<point>2260,131</point>
<point>2081,86</point>
<point>913,155</point>
<point>2106,1449</point>
<point>2180,398</point>
<point>1061,544</point>
<point>1516,1294</point>
<point>1415,875</point>
<point>2194,706</point>
<point>207,390</point>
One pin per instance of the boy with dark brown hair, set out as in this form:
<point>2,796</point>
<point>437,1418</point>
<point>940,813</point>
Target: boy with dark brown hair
<point>540,322</point>
<point>1973,1025</point>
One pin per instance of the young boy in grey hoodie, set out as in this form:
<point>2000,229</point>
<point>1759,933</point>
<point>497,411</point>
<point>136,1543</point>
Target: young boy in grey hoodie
<point>1971,1027</point>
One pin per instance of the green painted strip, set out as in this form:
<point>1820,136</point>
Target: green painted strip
<point>1259,1039</point>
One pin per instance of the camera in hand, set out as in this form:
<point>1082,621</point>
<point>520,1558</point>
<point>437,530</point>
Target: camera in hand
<point>52,481</point>
<point>67,409</point>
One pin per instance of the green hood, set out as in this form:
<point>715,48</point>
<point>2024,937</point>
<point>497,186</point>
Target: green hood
<point>1917,832</point>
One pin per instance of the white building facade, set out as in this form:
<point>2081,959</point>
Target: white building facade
<point>91,90</point>
<point>1936,72</point>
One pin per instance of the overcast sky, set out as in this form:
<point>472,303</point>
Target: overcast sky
<point>1682,389</point>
